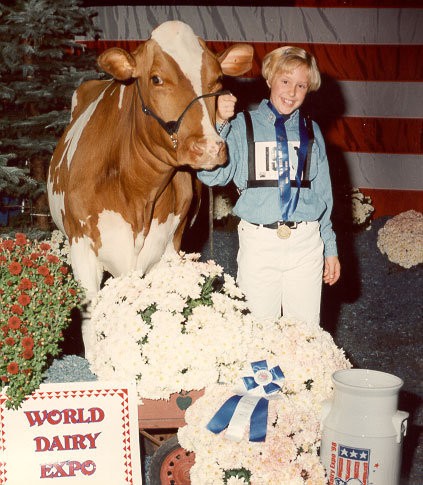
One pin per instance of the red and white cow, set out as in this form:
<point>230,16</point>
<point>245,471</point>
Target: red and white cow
<point>118,184</point>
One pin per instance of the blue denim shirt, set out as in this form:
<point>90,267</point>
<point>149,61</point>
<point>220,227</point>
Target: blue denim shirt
<point>261,205</point>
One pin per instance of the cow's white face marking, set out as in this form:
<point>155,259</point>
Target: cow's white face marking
<point>178,39</point>
<point>74,134</point>
<point>159,240</point>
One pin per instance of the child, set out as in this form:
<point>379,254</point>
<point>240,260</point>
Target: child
<point>286,241</point>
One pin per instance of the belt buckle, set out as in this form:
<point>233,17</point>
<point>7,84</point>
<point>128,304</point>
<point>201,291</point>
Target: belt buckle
<point>283,231</point>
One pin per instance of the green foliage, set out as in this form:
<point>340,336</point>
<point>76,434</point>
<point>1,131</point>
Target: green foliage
<point>239,473</point>
<point>41,65</point>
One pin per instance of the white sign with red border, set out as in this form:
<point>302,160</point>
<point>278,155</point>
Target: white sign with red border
<point>84,431</point>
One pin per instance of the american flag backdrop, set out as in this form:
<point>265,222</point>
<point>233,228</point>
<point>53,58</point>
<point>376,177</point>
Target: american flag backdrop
<point>370,54</point>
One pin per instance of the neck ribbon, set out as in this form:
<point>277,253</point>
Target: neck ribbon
<point>288,204</point>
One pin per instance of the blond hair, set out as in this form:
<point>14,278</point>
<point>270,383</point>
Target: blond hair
<point>286,59</point>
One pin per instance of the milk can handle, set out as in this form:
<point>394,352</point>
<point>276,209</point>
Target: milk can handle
<point>400,424</point>
<point>326,407</point>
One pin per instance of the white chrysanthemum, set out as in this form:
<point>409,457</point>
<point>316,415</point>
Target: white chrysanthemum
<point>222,207</point>
<point>173,331</point>
<point>401,239</point>
<point>307,356</point>
<point>361,207</point>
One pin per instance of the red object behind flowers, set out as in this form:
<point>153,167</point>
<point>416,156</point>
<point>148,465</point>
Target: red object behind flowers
<point>37,291</point>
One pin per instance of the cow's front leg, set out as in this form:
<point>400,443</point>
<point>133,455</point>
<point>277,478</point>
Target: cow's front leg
<point>89,272</point>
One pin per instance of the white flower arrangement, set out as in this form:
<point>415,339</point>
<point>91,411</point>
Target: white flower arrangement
<point>222,207</point>
<point>60,246</point>
<point>176,328</point>
<point>401,239</point>
<point>289,455</point>
<point>184,326</point>
<point>361,208</point>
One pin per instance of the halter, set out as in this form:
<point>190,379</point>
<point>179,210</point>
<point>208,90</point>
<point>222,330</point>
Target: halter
<point>172,127</point>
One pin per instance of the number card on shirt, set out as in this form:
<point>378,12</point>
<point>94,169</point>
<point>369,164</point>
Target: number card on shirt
<point>266,159</point>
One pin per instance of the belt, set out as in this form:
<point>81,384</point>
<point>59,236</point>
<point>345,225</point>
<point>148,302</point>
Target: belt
<point>277,224</point>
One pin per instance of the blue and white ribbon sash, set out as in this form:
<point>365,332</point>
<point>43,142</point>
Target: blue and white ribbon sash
<point>250,406</point>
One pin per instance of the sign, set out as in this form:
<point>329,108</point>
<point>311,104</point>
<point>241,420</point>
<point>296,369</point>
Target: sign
<point>84,431</point>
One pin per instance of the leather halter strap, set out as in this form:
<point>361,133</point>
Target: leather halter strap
<point>172,127</point>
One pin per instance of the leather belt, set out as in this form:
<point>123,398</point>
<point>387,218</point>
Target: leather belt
<point>277,224</point>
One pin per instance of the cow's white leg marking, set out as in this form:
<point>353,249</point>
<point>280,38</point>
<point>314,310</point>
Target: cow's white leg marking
<point>117,249</point>
<point>88,271</point>
<point>158,241</point>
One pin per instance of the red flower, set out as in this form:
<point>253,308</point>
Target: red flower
<point>45,246</point>
<point>28,354</point>
<point>34,256</point>
<point>27,372</point>
<point>27,262</point>
<point>10,341</point>
<point>21,239</point>
<point>8,244</point>
<point>17,309</point>
<point>24,299</point>
<point>72,291</point>
<point>4,379</point>
<point>3,259</point>
<point>49,280</point>
<point>15,268</point>
<point>5,329</point>
<point>1,292</point>
<point>27,342</point>
<point>25,284</point>
<point>63,270</point>
<point>43,271</point>
<point>14,322</point>
<point>51,258</point>
<point>13,368</point>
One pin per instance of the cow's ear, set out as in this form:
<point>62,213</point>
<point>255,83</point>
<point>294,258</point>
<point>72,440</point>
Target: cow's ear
<point>236,60</point>
<point>117,62</point>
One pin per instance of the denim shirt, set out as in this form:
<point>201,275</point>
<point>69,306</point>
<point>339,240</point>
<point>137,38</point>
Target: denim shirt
<point>261,205</point>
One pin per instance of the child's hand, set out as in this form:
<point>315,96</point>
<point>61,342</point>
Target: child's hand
<point>225,107</point>
<point>332,270</point>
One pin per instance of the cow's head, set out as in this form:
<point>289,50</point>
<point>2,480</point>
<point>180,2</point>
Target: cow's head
<point>173,68</point>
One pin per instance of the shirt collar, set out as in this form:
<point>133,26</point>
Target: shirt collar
<point>266,110</point>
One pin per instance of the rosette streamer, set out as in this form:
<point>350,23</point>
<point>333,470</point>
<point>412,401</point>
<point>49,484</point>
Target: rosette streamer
<point>250,405</point>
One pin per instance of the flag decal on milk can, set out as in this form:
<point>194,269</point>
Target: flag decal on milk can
<point>352,466</point>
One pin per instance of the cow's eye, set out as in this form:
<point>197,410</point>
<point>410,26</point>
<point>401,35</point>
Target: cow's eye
<point>157,80</point>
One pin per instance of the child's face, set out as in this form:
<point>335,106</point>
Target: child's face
<point>288,89</point>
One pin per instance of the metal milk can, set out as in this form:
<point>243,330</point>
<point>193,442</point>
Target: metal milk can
<point>362,431</point>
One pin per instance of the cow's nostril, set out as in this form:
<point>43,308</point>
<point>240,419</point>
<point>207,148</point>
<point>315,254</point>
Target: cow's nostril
<point>197,149</point>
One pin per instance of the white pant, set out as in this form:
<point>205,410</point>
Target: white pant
<point>279,273</point>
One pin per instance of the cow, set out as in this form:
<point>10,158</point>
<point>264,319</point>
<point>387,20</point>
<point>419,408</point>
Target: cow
<point>122,177</point>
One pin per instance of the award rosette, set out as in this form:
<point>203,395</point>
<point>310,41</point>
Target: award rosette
<point>250,405</point>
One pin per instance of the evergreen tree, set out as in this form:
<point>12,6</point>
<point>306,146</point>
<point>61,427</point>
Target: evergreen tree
<point>41,64</point>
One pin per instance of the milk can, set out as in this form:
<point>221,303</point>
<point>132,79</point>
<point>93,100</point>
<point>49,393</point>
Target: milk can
<point>362,430</point>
